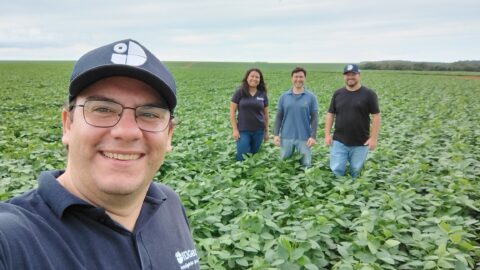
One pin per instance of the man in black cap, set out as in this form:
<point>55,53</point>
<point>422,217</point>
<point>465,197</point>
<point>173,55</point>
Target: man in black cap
<point>350,108</point>
<point>103,211</point>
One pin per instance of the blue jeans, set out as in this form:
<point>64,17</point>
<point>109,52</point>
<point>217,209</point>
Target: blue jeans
<point>249,142</point>
<point>340,154</point>
<point>288,146</point>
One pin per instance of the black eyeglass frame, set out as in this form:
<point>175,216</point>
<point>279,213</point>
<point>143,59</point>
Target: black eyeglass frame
<point>71,107</point>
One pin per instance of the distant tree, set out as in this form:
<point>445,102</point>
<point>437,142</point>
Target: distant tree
<point>469,65</point>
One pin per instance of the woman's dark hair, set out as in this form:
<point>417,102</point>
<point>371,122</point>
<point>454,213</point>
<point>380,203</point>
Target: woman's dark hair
<point>261,85</point>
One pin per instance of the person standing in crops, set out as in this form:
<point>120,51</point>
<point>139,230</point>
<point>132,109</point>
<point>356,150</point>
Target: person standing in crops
<point>350,108</point>
<point>251,102</point>
<point>297,119</point>
<point>104,211</point>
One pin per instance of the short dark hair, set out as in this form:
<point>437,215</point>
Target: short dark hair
<point>299,69</point>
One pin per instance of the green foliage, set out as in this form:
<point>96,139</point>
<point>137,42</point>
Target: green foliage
<point>415,206</point>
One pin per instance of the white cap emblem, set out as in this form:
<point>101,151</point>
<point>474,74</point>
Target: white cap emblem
<point>135,54</point>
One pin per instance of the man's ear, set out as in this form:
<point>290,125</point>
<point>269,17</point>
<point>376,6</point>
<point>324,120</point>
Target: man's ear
<point>169,137</point>
<point>66,124</point>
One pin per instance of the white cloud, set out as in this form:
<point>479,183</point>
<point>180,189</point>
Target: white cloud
<point>249,30</point>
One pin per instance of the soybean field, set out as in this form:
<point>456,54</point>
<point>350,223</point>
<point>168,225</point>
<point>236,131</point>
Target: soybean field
<point>416,204</point>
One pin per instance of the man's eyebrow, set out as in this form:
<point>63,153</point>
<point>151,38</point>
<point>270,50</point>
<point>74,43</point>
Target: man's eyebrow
<point>157,104</point>
<point>100,98</point>
<point>103,98</point>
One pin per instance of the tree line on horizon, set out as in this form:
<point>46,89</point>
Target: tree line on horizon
<point>467,65</point>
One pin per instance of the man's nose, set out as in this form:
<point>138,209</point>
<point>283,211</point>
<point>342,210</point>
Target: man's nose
<point>127,126</point>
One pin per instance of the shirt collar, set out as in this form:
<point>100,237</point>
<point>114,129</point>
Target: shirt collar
<point>59,199</point>
<point>152,203</point>
<point>290,91</point>
<point>55,195</point>
<point>155,195</point>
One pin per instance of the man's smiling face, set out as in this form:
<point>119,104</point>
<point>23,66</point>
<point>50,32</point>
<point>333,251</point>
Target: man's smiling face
<point>118,160</point>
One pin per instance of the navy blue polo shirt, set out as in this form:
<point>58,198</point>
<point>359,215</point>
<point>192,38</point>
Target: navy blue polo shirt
<point>251,115</point>
<point>49,228</point>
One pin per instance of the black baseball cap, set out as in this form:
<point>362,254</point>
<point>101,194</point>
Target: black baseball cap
<point>123,58</point>
<point>351,68</point>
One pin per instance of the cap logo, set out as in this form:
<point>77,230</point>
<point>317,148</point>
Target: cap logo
<point>132,55</point>
<point>350,67</point>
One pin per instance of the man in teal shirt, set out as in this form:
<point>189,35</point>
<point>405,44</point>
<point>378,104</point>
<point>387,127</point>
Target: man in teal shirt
<point>297,119</point>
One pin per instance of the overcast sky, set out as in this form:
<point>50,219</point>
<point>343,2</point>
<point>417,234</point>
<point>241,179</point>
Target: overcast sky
<point>246,30</point>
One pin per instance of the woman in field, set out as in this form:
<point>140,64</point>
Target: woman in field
<point>250,99</point>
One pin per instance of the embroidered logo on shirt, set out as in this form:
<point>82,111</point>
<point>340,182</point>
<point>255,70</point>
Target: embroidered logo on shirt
<point>179,257</point>
<point>186,258</point>
<point>260,98</point>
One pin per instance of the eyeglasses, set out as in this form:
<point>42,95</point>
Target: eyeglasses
<point>105,114</point>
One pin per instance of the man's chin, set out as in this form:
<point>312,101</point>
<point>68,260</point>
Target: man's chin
<point>352,84</point>
<point>120,190</point>
<point>121,187</point>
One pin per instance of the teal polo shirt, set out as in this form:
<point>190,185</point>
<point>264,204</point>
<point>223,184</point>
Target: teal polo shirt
<point>296,111</point>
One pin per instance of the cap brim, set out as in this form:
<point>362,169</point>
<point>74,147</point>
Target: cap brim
<point>85,79</point>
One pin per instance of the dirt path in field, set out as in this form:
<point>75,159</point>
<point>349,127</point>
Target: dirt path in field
<point>470,77</point>
<point>188,65</point>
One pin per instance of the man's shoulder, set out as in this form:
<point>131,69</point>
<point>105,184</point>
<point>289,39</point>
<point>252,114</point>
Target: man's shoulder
<point>28,240</point>
<point>287,92</point>
<point>14,233</point>
<point>169,201</point>
<point>340,90</point>
<point>15,221</point>
<point>164,188</point>
<point>368,93</point>
<point>368,90</point>
<point>26,204</point>
<point>310,93</point>
<point>163,192</point>
<point>9,212</point>
<point>24,199</point>
<point>285,95</point>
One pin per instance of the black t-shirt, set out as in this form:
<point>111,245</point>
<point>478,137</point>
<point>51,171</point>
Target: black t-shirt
<point>250,110</point>
<point>352,111</point>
